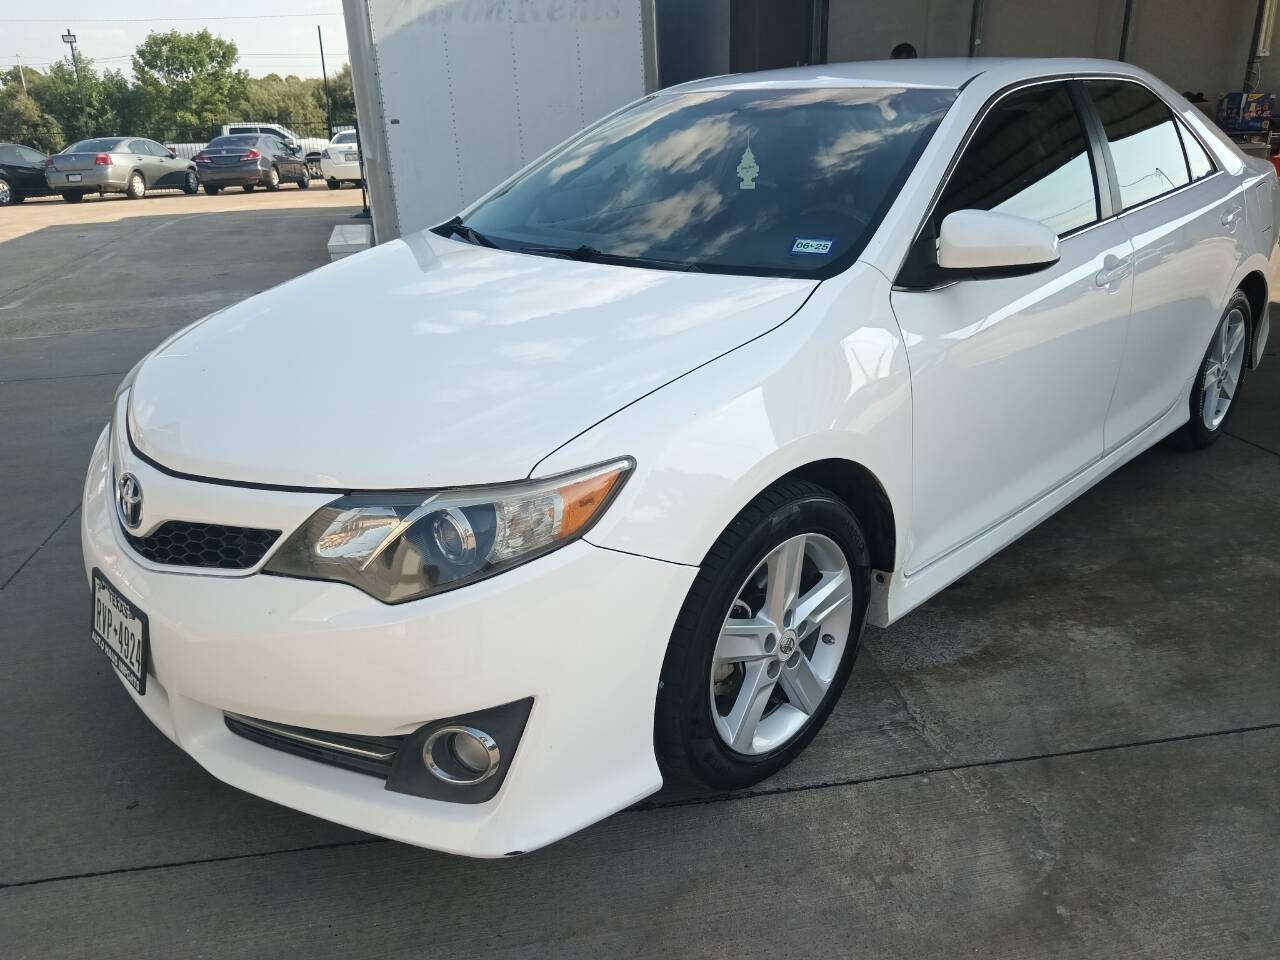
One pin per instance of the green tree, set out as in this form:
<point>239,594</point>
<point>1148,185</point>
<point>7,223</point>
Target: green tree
<point>22,121</point>
<point>341,95</point>
<point>289,100</point>
<point>187,83</point>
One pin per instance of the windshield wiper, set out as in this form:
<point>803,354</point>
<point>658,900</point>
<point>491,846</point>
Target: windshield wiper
<point>588,254</point>
<point>456,225</point>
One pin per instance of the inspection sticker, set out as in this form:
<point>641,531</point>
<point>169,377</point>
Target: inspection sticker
<point>811,245</point>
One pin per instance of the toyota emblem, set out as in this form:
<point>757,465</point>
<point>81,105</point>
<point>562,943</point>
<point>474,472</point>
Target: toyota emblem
<point>129,501</point>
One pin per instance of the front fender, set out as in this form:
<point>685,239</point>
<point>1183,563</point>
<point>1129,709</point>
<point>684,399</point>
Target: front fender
<point>832,382</point>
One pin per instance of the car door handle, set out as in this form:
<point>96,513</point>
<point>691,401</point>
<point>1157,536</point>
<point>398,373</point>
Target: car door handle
<point>1116,272</point>
<point>1230,217</point>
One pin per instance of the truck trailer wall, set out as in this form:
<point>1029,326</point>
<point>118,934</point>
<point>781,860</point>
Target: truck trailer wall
<point>462,93</point>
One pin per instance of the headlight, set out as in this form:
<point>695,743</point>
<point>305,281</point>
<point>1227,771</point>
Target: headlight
<point>402,546</point>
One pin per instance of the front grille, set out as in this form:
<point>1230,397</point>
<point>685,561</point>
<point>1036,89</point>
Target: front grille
<point>181,543</point>
<point>371,755</point>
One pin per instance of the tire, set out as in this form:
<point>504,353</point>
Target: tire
<point>191,185</point>
<point>8,195</point>
<point>273,179</point>
<point>137,188</point>
<point>305,182</point>
<point>248,188</point>
<point>211,189</point>
<point>690,738</point>
<point>1219,375</point>
<point>333,184</point>
<point>73,196</point>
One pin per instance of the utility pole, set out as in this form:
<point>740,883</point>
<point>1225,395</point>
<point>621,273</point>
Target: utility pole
<point>21,72</point>
<point>69,38</point>
<point>324,76</point>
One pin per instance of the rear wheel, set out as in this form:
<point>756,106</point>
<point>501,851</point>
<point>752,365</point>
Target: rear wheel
<point>191,184</point>
<point>273,179</point>
<point>211,190</point>
<point>333,184</point>
<point>1221,376</point>
<point>73,196</point>
<point>765,640</point>
<point>137,188</point>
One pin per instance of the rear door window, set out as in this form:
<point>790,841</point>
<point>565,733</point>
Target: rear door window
<point>1142,135</point>
<point>1197,159</point>
<point>1030,158</point>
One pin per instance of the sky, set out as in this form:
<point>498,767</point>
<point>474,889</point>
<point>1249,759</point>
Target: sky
<point>274,36</point>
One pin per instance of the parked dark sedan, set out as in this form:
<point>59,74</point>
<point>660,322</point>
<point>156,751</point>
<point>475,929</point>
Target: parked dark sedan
<point>21,174</point>
<point>249,160</point>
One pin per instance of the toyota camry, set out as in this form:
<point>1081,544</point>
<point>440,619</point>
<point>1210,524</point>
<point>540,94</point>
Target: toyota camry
<point>477,537</point>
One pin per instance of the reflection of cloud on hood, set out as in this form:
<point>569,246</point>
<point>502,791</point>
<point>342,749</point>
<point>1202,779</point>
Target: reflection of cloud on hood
<point>686,149</point>
<point>598,139</point>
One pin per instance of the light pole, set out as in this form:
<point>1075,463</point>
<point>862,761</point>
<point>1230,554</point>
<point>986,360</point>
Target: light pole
<point>324,76</point>
<point>69,38</point>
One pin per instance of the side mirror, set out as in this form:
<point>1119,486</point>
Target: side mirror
<point>173,154</point>
<point>990,244</point>
<point>295,148</point>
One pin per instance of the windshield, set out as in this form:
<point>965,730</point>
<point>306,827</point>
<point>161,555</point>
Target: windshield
<point>96,145</point>
<point>243,140</point>
<point>784,182</point>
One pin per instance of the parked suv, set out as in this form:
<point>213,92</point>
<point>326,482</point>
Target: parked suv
<point>128,165</point>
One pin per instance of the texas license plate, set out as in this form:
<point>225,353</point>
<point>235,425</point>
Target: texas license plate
<point>120,631</point>
<point>73,178</point>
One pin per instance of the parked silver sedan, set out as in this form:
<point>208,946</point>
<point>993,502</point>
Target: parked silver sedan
<point>128,165</point>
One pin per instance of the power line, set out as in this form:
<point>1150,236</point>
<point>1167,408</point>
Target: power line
<point>244,16</point>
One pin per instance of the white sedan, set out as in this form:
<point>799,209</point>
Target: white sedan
<point>340,160</point>
<point>601,487</point>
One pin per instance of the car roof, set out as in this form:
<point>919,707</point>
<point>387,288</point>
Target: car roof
<point>945,72</point>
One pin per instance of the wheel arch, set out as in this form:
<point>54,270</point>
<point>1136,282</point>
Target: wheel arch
<point>1254,287</point>
<point>861,491</point>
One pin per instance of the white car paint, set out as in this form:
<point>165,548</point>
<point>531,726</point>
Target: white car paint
<point>340,159</point>
<point>977,408</point>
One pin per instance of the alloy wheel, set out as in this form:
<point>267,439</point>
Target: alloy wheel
<point>781,644</point>
<point>1222,374</point>
<point>6,193</point>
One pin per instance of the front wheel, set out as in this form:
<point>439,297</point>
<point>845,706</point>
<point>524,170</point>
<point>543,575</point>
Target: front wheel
<point>1216,389</point>
<point>765,640</point>
<point>305,181</point>
<point>191,184</point>
<point>7,194</point>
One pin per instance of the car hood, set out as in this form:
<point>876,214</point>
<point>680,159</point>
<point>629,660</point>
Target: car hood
<point>429,362</point>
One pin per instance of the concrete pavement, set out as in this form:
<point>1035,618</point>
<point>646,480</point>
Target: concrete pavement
<point>1074,752</point>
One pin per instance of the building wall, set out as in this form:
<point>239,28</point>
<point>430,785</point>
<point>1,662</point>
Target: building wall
<point>1197,45</point>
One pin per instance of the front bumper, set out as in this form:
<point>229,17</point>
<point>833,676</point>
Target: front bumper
<point>104,178</point>
<point>566,629</point>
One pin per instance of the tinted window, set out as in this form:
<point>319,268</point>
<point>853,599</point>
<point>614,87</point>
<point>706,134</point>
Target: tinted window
<point>1143,137</point>
<point>1197,159</point>
<point>30,156</point>
<point>96,145</point>
<point>771,181</point>
<point>243,140</point>
<point>8,153</point>
<point>1030,158</point>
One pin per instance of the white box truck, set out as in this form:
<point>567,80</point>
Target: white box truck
<point>454,96</point>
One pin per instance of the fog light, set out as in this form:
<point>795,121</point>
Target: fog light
<point>461,756</point>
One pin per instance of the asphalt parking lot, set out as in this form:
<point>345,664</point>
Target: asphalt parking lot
<point>1074,752</point>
